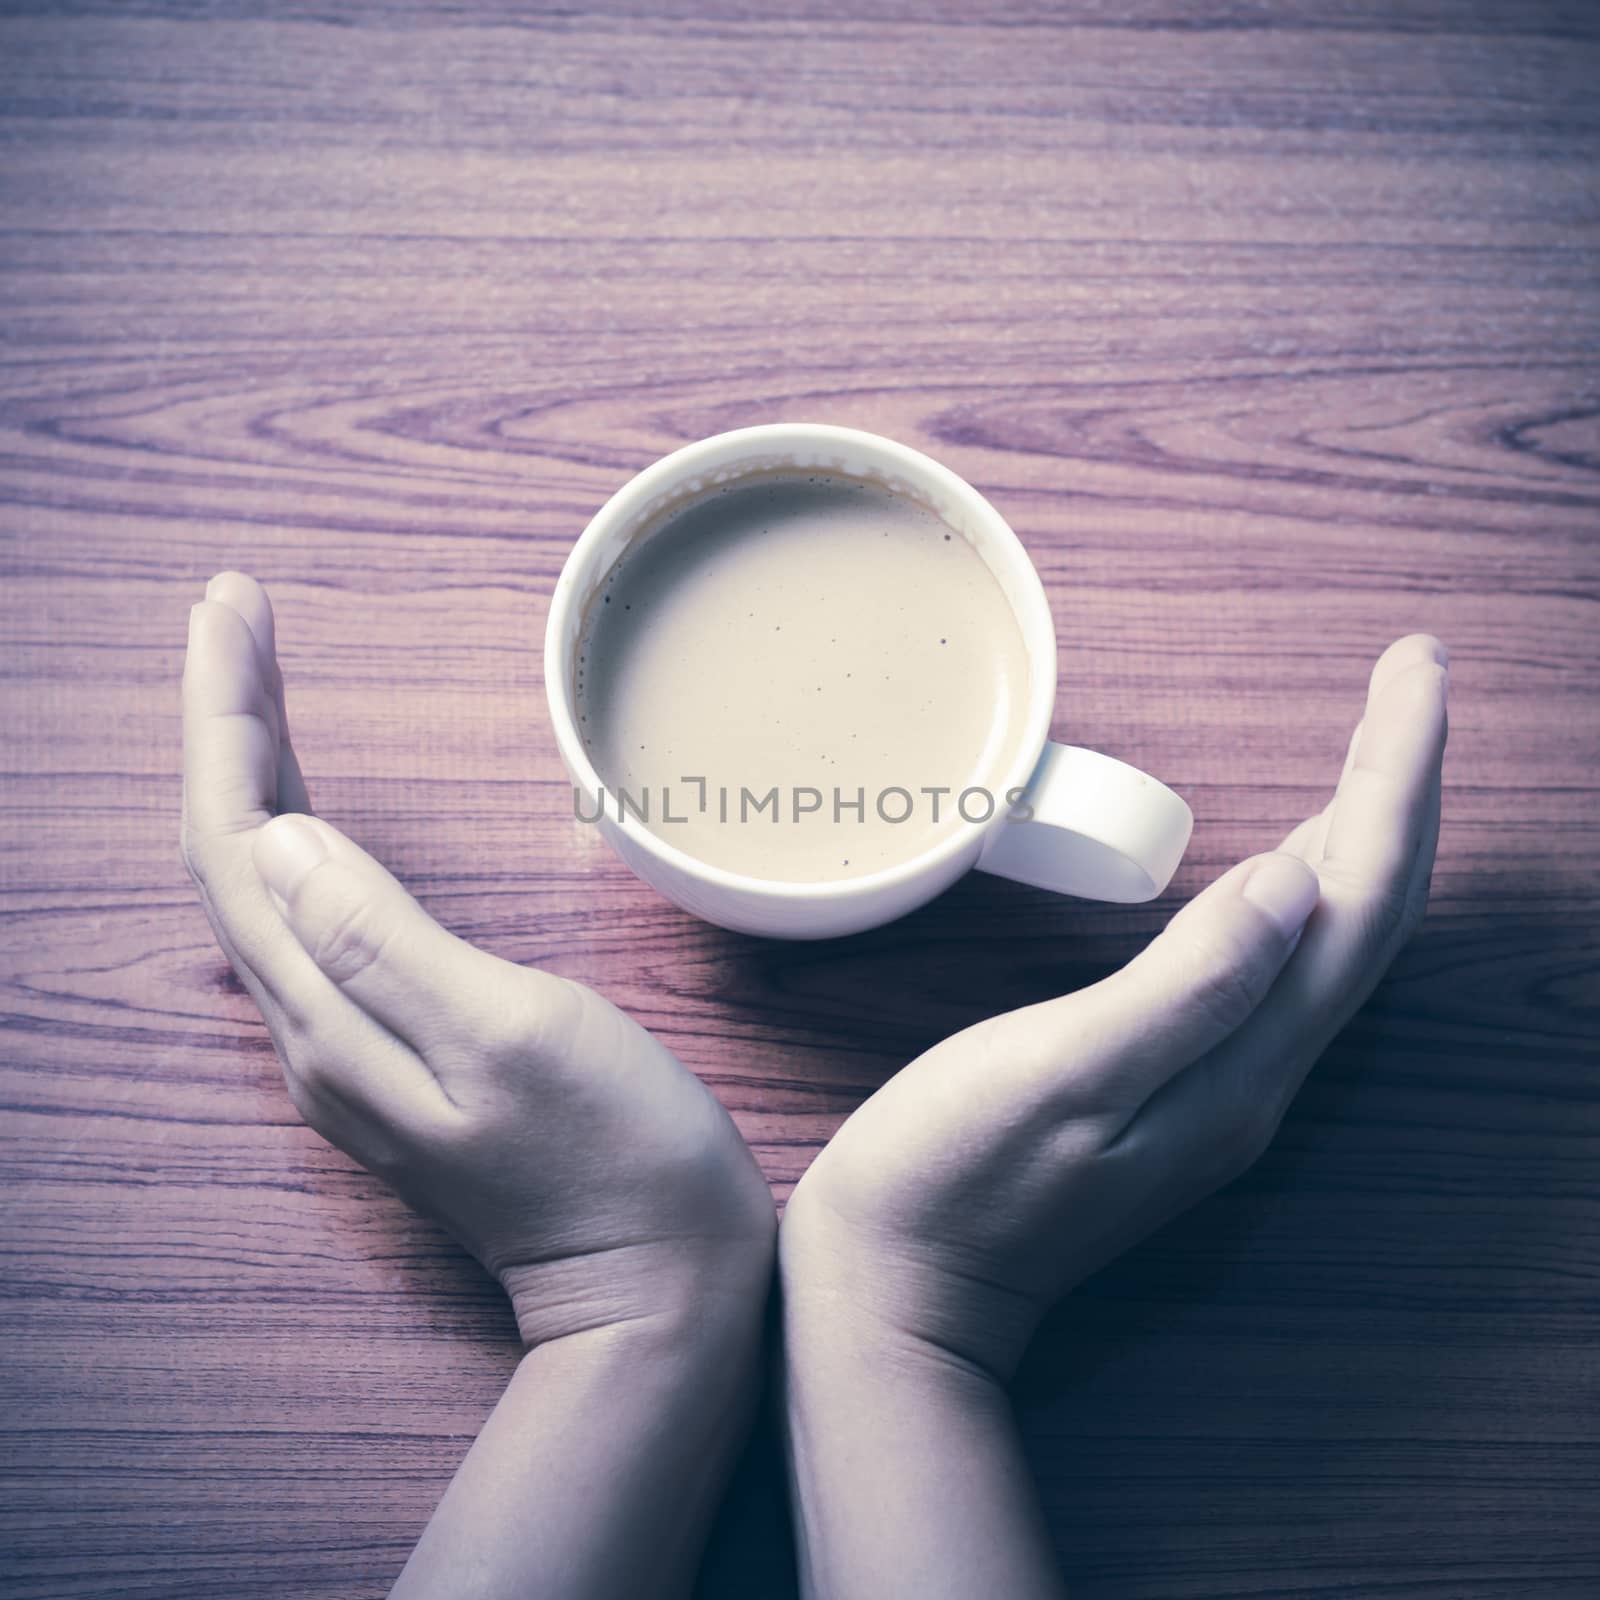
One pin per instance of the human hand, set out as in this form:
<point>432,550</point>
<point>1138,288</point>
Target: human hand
<point>560,1143</point>
<point>1008,1162</point>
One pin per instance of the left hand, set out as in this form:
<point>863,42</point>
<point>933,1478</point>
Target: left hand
<point>565,1147</point>
<point>1011,1160</point>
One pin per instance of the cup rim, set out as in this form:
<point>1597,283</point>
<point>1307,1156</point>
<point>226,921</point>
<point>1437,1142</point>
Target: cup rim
<point>1038,630</point>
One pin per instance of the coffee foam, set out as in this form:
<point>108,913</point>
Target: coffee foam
<point>904,668</point>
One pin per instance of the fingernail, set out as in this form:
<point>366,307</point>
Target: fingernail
<point>211,587</point>
<point>1285,889</point>
<point>287,848</point>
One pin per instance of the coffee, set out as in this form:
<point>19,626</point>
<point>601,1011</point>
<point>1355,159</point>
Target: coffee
<point>791,635</point>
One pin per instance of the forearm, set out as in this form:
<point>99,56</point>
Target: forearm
<point>906,1470</point>
<point>598,1472</point>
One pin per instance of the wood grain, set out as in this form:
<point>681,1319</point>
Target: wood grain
<point>1274,331</point>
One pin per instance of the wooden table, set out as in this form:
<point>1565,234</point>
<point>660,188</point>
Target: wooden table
<point>1271,327</point>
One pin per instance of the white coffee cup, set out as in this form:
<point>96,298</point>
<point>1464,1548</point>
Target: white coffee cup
<point>1099,829</point>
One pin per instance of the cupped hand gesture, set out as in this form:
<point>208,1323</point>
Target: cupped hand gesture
<point>565,1147</point>
<point>606,1188</point>
<point>1012,1159</point>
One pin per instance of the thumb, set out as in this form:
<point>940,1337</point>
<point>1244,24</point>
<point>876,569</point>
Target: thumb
<point>365,932</point>
<point>1193,985</point>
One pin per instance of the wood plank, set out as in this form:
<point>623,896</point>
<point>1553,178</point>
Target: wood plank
<point>1273,330</point>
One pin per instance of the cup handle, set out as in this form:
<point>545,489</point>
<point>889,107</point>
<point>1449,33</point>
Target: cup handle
<point>1091,826</point>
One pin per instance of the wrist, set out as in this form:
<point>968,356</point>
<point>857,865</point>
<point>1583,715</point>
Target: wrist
<point>881,1301</point>
<point>718,1353</point>
<point>702,1353</point>
<point>869,1398</point>
<point>685,1294</point>
<point>602,1466</point>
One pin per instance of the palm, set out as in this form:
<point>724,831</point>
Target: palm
<point>504,1101</point>
<point>1017,1156</point>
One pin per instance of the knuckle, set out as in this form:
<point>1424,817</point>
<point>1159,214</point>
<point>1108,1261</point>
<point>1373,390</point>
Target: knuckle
<point>301,1096</point>
<point>350,942</point>
<point>514,1027</point>
<point>463,1141</point>
<point>541,1013</point>
<point>387,1159</point>
<point>1225,984</point>
<point>307,1068</point>
<point>1385,910</point>
<point>307,1075</point>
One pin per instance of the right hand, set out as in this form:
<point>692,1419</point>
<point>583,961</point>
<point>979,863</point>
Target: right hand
<point>566,1148</point>
<point>1001,1167</point>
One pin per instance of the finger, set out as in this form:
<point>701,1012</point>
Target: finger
<point>1419,883</point>
<point>1309,838</point>
<point>347,1074</point>
<point>372,941</point>
<point>292,792</point>
<point>1191,987</point>
<point>1414,649</point>
<point>266,1000</point>
<point>1232,1100</point>
<point>1380,808</point>
<point>244,595</point>
<point>230,756</point>
<point>230,788</point>
<point>1305,839</point>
